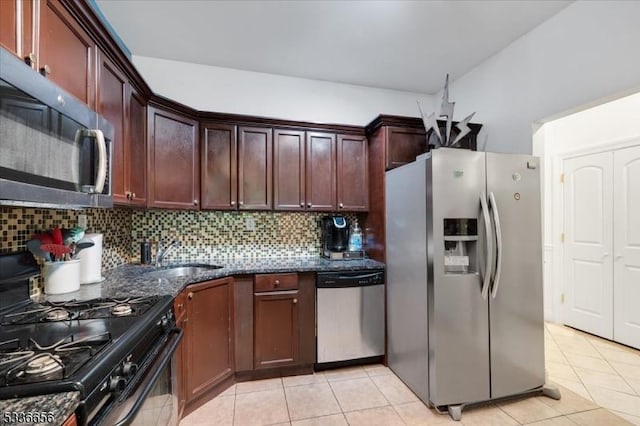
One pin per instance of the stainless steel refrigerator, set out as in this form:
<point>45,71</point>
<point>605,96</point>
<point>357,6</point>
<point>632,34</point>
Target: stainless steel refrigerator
<point>464,277</point>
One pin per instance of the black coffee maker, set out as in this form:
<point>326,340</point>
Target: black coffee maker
<point>335,236</point>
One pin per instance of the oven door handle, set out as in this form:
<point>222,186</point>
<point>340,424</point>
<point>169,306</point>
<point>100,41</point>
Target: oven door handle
<point>152,377</point>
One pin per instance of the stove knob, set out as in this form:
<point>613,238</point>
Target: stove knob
<point>116,384</point>
<point>164,322</point>
<point>129,369</point>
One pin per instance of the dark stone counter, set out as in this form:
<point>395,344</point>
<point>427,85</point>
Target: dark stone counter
<point>48,410</point>
<point>132,280</point>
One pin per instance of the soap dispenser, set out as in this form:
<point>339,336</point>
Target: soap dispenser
<point>355,239</point>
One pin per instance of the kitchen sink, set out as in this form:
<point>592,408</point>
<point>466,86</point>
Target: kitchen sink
<point>181,270</point>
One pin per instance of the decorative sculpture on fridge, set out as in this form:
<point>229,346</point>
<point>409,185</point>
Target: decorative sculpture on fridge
<point>446,110</point>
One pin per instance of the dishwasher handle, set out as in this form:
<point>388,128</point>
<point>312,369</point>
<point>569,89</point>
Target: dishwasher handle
<point>349,279</point>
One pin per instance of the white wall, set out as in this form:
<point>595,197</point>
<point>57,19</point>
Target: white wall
<point>604,127</point>
<point>228,90</point>
<point>586,53</point>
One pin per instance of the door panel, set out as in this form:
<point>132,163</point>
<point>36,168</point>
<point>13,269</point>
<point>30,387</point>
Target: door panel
<point>626,236</point>
<point>588,205</point>
<point>276,329</point>
<point>458,315</point>
<point>219,167</point>
<point>353,176</point>
<point>137,164</point>
<point>288,170</point>
<point>321,171</point>
<point>516,328</point>
<point>254,168</point>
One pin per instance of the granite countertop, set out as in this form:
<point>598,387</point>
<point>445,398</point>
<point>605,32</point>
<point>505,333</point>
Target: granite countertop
<point>131,280</point>
<point>48,410</point>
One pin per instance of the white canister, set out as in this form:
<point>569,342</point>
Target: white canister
<point>61,277</point>
<point>91,261</point>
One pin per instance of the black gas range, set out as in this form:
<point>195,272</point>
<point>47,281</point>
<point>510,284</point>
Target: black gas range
<point>115,352</point>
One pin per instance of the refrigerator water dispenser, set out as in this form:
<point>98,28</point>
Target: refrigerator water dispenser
<point>460,246</point>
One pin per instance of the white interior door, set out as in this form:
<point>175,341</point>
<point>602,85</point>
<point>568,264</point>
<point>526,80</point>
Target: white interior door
<point>626,237</point>
<point>588,274</point>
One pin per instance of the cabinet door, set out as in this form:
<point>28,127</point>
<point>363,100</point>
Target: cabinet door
<point>66,52</point>
<point>179,309</point>
<point>112,102</point>
<point>403,145</point>
<point>16,26</point>
<point>353,175</point>
<point>8,25</point>
<point>321,171</point>
<point>219,167</point>
<point>288,170</point>
<point>254,168</point>
<point>173,160</point>
<point>137,149</point>
<point>276,329</point>
<point>209,335</point>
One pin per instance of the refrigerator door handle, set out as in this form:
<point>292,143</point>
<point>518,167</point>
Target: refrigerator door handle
<point>496,220</point>
<point>489,238</point>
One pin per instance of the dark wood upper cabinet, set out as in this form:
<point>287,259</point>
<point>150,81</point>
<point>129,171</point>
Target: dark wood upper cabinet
<point>219,153</point>
<point>8,25</point>
<point>289,170</point>
<point>209,335</point>
<point>353,176</point>
<point>255,146</point>
<point>16,27</point>
<point>113,105</point>
<point>173,161</point>
<point>321,171</point>
<point>66,53</point>
<point>137,149</point>
<point>404,145</point>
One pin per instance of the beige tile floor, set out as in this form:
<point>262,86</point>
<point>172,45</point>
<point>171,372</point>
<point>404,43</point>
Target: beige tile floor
<point>599,381</point>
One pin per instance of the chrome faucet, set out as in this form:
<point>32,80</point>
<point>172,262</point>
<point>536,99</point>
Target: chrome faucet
<point>162,252</point>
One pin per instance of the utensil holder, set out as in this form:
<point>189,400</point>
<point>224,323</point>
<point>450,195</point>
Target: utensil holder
<point>61,277</point>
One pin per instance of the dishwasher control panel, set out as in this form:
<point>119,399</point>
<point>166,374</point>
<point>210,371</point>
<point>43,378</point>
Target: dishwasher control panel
<point>350,278</point>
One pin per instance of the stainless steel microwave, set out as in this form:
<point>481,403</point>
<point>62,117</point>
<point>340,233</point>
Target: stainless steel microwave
<point>55,151</point>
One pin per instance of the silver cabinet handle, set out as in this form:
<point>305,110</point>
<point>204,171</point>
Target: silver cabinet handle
<point>241,202</point>
<point>488,235</point>
<point>308,204</point>
<point>301,204</point>
<point>496,220</point>
<point>341,205</point>
<point>195,202</point>
<point>233,203</point>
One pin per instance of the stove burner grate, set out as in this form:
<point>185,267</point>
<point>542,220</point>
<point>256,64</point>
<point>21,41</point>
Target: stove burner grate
<point>43,364</point>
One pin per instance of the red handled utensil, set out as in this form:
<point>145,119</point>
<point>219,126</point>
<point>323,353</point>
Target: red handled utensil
<point>57,250</point>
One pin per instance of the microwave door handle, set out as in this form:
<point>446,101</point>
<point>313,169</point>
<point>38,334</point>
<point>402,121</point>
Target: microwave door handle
<point>101,175</point>
<point>489,237</point>
<point>499,251</point>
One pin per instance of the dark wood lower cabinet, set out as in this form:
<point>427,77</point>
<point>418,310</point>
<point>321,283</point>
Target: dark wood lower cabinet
<point>243,328</point>
<point>277,333</point>
<point>208,336</point>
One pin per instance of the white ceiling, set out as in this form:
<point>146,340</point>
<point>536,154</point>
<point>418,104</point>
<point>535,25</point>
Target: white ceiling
<point>402,45</point>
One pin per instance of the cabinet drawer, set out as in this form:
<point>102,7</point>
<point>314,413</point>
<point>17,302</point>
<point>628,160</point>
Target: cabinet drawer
<point>270,282</point>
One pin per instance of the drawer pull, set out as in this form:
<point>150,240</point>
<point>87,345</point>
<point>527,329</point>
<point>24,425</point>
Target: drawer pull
<point>295,301</point>
<point>190,295</point>
<point>276,283</point>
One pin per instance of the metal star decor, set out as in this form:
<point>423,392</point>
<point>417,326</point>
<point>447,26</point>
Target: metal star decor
<point>446,110</point>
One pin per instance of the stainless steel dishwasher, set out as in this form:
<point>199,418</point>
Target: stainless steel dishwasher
<point>350,315</point>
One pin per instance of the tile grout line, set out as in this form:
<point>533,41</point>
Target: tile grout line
<point>573,368</point>
<point>635,393</point>
<point>585,386</point>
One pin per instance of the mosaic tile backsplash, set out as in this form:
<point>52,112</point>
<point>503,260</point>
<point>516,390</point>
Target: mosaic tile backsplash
<point>228,235</point>
<point>17,225</point>
<point>203,234</point>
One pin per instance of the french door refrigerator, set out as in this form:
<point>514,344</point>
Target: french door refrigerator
<point>464,268</point>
